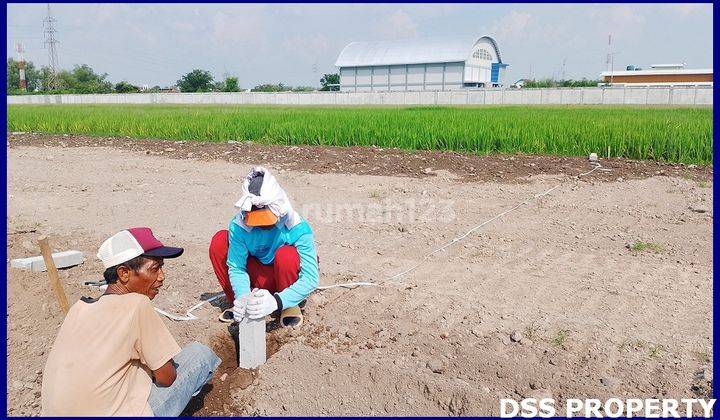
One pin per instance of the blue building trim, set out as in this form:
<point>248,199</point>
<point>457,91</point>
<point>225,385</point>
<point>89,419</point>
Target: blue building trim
<point>495,71</point>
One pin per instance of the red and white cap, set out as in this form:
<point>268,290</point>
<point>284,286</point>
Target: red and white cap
<point>134,242</point>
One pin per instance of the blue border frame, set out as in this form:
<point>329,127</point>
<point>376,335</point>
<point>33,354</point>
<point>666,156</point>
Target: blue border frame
<point>716,177</point>
<point>716,253</point>
<point>4,211</point>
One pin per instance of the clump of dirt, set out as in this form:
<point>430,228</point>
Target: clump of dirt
<point>217,396</point>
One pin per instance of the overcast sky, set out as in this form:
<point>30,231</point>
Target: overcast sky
<point>295,44</point>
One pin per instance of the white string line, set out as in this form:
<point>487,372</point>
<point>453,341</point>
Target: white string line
<point>189,316</point>
<point>458,239</point>
<point>348,285</point>
<point>442,248</point>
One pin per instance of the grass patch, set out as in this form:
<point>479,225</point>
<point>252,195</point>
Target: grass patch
<point>703,184</point>
<point>628,344</point>
<point>704,356</point>
<point>645,246</point>
<point>655,351</point>
<point>532,330</point>
<point>659,133</point>
<point>23,227</point>
<point>561,337</point>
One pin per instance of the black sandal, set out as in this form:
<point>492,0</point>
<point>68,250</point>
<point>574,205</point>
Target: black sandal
<point>227,316</point>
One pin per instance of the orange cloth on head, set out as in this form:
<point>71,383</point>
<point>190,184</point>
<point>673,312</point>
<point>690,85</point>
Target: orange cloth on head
<point>101,362</point>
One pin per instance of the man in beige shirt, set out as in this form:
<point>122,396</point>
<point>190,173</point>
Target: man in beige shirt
<point>113,355</point>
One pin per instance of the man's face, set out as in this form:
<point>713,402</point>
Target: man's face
<point>148,279</point>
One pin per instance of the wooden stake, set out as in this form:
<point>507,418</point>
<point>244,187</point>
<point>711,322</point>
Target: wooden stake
<point>53,273</point>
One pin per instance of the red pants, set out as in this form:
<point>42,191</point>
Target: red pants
<point>275,278</point>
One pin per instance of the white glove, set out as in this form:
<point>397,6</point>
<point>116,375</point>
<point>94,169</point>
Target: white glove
<point>239,305</point>
<point>260,304</point>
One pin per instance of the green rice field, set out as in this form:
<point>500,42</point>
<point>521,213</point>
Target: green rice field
<point>660,133</point>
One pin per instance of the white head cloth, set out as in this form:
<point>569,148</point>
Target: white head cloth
<point>272,196</point>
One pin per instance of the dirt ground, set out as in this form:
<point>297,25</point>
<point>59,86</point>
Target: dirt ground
<point>548,299</point>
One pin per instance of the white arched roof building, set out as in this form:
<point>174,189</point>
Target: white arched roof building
<point>420,64</point>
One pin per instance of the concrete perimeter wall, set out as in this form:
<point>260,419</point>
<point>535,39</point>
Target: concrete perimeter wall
<point>661,95</point>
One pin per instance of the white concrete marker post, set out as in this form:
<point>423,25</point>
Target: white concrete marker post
<point>61,260</point>
<point>251,342</point>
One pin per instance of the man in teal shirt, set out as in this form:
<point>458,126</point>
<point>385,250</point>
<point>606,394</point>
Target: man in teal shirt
<point>266,261</point>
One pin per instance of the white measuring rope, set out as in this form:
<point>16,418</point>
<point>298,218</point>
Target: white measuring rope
<point>442,248</point>
<point>189,315</point>
<point>596,165</point>
<point>347,285</point>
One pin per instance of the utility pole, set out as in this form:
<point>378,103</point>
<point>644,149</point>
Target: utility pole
<point>20,48</point>
<point>611,58</point>
<point>563,68</point>
<point>607,57</point>
<point>50,44</point>
<point>315,70</point>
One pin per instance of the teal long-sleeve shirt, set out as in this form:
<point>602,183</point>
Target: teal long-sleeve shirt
<point>262,244</point>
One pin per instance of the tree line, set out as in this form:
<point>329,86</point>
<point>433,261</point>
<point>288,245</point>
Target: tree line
<point>549,83</point>
<point>83,79</point>
<point>202,81</point>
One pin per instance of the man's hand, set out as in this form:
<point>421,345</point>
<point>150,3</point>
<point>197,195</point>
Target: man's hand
<point>260,304</point>
<point>239,307</point>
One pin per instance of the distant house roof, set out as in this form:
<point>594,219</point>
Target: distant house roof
<point>409,51</point>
